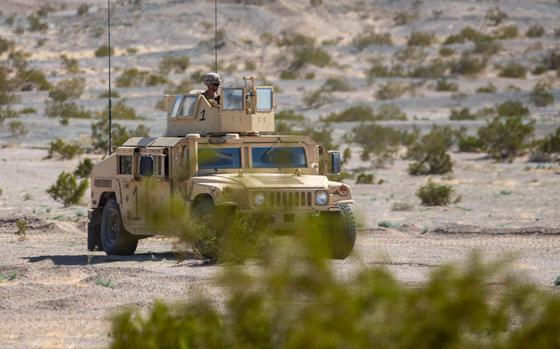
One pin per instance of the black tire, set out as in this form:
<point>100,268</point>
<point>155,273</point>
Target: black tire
<point>115,239</point>
<point>203,209</point>
<point>94,232</point>
<point>341,229</point>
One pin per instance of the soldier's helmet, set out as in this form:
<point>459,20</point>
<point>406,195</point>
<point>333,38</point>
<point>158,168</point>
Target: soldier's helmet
<point>211,79</point>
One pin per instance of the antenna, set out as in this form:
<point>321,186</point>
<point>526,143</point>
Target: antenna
<point>109,57</point>
<point>216,36</point>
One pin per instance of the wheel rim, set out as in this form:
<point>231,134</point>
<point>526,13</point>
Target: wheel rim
<point>112,227</point>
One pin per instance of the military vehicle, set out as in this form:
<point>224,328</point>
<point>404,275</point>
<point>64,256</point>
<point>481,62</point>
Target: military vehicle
<point>215,156</point>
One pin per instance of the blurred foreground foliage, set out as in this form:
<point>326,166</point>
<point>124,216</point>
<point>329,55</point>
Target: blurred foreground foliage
<point>295,300</point>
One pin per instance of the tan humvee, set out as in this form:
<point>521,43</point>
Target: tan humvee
<point>219,156</point>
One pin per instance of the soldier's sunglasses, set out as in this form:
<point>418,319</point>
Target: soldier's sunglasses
<point>217,85</point>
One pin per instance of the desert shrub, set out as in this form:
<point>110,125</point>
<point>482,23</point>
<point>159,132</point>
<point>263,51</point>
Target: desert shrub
<point>314,99</point>
<point>462,114</point>
<point>390,112</point>
<point>183,87</point>
<point>489,88</point>
<point>496,16</point>
<point>471,34</point>
<point>487,47</point>
<point>82,9</point>
<point>469,144</point>
<point>469,64</point>
<point>29,79</point>
<point>289,115</point>
<point>507,32</point>
<point>391,90</point>
<point>250,66</point>
<point>370,37</point>
<point>446,51</point>
<point>444,85</point>
<point>378,70</point>
<point>411,54</point>
<point>549,144</point>
<point>176,64</point>
<point>432,194</point>
<point>121,111</point>
<point>293,39</point>
<point>28,110</point>
<point>67,190</point>
<point>403,18</point>
<point>310,56</point>
<point>66,111</point>
<point>418,38</point>
<point>84,168</point>
<point>105,94</point>
<point>383,142</point>
<point>535,31</point>
<point>364,178</point>
<point>103,51</point>
<point>512,108</point>
<point>70,64</point>
<point>513,70</point>
<point>62,150</point>
<point>19,59</point>
<point>351,114</point>
<point>430,153</point>
<point>454,39</point>
<point>6,95</point>
<point>336,84</point>
<point>551,60</point>
<point>17,129</point>
<point>35,24</point>
<point>120,134</point>
<point>5,45</point>
<point>7,113</point>
<point>67,89</point>
<point>435,69</point>
<point>542,94</point>
<point>506,137</point>
<point>134,77</point>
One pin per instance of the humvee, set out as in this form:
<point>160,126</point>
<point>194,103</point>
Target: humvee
<point>217,156</point>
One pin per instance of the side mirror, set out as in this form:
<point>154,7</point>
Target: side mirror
<point>334,162</point>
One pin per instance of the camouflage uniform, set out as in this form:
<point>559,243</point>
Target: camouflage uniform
<point>214,101</point>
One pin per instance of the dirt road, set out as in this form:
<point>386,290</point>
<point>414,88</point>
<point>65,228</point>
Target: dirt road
<point>56,295</point>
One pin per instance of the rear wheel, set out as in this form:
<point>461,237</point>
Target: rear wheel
<point>341,230</point>
<point>114,238</point>
<point>94,231</point>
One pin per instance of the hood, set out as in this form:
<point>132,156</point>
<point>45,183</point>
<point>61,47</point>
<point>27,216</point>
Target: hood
<point>277,181</point>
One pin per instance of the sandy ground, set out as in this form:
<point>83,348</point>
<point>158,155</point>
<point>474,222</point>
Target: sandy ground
<point>55,298</point>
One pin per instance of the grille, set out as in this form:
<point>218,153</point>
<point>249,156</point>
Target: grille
<point>289,199</point>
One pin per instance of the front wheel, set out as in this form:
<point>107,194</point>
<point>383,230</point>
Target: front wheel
<point>115,239</point>
<point>341,231</point>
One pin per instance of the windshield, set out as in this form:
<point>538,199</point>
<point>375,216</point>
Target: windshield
<point>276,157</point>
<point>219,158</point>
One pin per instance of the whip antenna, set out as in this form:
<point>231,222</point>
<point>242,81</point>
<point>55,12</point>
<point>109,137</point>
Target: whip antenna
<point>109,57</point>
<point>216,36</point>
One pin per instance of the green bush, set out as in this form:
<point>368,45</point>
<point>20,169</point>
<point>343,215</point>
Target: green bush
<point>496,16</point>
<point>28,110</point>
<point>489,88</point>
<point>469,144</point>
<point>383,142</point>
<point>314,99</point>
<point>121,111</point>
<point>506,137</point>
<point>103,51</point>
<point>183,87</point>
<point>67,89</point>
<point>513,70</point>
<point>289,115</point>
<point>35,24</point>
<point>310,56</point>
<point>70,64</point>
<point>66,111</point>
<point>5,45</point>
<point>28,79</point>
<point>446,51</point>
<point>487,47</point>
<point>418,38</point>
<point>462,114</point>
<point>390,112</point>
<point>535,31</point>
<point>469,64</point>
<point>512,108</point>
<point>133,77</point>
<point>444,85</point>
<point>84,168</point>
<point>364,40</point>
<point>62,150</point>
<point>365,178</point>
<point>548,145</point>
<point>82,9</point>
<point>67,189</point>
<point>352,114</point>
<point>430,153</point>
<point>403,18</point>
<point>17,129</point>
<point>542,94</point>
<point>432,194</point>
<point>120,134</point>
<point>105,94</point>
<point>335,84</point>
<point>176,64</point>
<point>551,60</point>
<point>507,32</point>
<point>435,69</point>
<point>391,90</point>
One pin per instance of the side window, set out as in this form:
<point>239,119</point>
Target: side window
<point>233,98</point>
<point>125,164</point>
<point>264,99</point>
<point>176,106</point>
<point>189,104</point>
<point>147,166</point>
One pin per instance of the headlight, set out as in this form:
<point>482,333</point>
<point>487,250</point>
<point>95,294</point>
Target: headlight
<point>259,199</point>
<point>321,198</point>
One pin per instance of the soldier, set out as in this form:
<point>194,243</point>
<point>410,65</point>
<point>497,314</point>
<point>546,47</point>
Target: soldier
<point>212,82</point>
